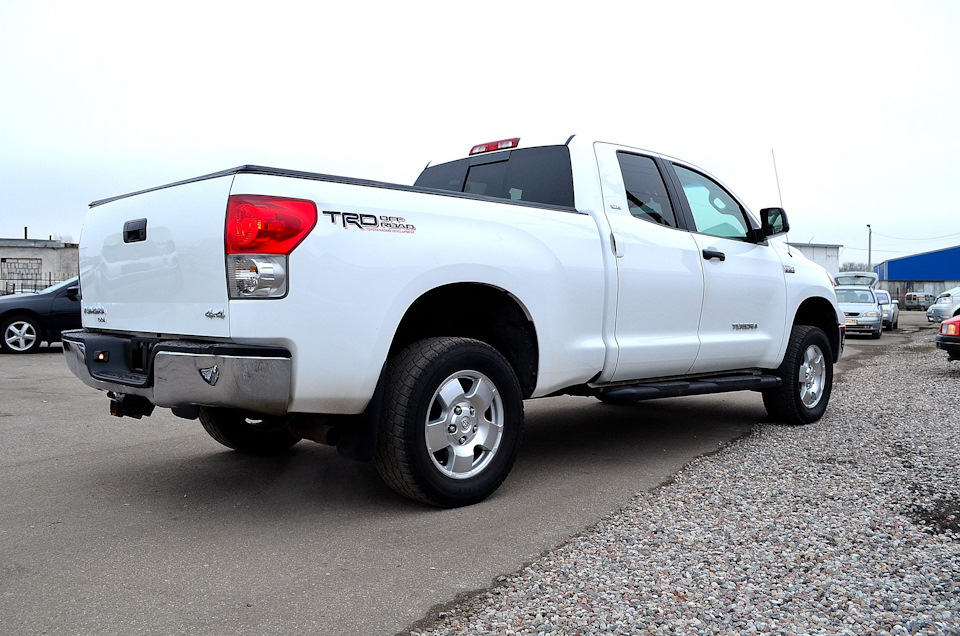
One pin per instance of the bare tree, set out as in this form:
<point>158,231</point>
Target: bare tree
<point>850,266</point>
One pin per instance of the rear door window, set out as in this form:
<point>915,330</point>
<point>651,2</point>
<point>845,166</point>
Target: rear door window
<point>646,193</point>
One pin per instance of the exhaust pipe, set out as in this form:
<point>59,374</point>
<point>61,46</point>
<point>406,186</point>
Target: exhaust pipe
<point>319,433</point>
<point>123,405</point>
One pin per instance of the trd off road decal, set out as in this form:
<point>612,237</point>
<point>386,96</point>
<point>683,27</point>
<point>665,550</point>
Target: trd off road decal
<point>372,222</point>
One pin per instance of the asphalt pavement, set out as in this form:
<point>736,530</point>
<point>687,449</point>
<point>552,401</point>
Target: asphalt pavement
<point>121,526</point>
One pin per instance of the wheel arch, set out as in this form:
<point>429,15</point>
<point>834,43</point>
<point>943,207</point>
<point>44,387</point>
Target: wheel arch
<point>20,312</point>
<point>820,312</point>
<point>479,311</point>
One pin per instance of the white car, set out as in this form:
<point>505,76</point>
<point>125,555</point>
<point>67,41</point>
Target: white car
<point>890,309</point>
<point>862,311</point>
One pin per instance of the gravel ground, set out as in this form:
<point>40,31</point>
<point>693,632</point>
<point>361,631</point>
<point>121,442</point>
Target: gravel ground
<point>848,526</point>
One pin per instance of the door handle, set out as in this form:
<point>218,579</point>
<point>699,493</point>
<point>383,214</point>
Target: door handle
<point>135,231</point>
<point>617,242</point>
<point>711,254</point>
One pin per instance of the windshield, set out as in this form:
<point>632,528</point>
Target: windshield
<point>944,299</point>
<point>864,296</point>
<point>859,278</point>
<point>883,298</point>
<point>58,286</point>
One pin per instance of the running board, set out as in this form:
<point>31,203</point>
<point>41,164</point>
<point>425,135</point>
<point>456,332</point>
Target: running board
<point>677,388</point>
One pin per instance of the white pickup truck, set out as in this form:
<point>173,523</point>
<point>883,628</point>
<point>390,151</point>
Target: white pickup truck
<point>407,324</point>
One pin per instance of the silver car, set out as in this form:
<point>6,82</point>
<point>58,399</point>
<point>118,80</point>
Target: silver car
<point>860,306</point>
<point>947,306</point>
<point>889,308</point>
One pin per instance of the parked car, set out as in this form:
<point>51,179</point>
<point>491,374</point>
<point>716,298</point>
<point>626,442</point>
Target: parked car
<point>946,306</point>
<point>918,300</point>
<point>948,338</point>
<point>26,320</point>
<point>862,311</point>
<point>889,309</point>
<point>866,279</point>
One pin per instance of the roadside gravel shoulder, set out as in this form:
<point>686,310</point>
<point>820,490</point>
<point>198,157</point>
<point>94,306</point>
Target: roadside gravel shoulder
<point>847,526</point>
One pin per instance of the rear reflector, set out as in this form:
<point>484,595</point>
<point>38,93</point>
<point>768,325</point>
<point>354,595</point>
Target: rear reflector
<point>267,225</point>
<point>503,144</point>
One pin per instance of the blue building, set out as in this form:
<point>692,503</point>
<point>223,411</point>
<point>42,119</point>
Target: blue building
<point>936,266</point>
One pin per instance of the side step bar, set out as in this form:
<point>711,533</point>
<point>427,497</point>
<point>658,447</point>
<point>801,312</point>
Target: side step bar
<point>677,388</point>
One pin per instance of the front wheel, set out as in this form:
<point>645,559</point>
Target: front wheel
<point>806,378</point>
<point>20,335</point>
<point>451,423</point>
<point>248,432</point>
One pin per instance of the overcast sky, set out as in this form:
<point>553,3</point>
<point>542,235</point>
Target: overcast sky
<point>860,101</point>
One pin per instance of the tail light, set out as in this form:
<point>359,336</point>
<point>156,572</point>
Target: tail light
<point>260,233</point>
<point>267,225</point>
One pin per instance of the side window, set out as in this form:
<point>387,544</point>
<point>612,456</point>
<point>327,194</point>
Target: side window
<point>715,212</point>
<point>646,194</point>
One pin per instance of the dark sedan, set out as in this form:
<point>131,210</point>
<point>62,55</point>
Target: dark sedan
<point>26,320</point>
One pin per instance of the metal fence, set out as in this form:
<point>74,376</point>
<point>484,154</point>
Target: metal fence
<point>29,285</point>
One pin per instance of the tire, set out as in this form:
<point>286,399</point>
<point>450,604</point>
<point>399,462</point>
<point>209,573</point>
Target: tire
<point>451,423</point>
<point>806,376</point>
<point>876,336</point>
<point>20,334</point>
<point>247,432</point>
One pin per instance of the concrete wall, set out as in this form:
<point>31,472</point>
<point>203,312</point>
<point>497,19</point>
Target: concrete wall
<point>899,288</point>
<point>827,256</point>
<point>32,264</point>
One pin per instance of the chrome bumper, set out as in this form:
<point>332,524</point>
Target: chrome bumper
<point>186,374</point>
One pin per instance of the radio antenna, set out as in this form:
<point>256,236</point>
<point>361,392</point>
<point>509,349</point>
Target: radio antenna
<point>777,175</point>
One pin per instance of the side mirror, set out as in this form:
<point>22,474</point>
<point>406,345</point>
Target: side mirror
<point>774,221</point>
<point>73,291</point>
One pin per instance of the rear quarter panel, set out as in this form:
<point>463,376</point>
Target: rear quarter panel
<point>350,286</point>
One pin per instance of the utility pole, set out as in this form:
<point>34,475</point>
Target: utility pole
<point>869,248</point>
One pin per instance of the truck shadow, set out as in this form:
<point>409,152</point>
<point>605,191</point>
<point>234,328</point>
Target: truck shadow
<point>570,444</point>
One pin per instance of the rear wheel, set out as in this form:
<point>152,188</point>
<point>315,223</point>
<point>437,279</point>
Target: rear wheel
<point>20,335</point>
<point>451,424</point>
<point>806,376</point>
<point>247,432</point>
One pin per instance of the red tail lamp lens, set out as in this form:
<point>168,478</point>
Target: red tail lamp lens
<point>267,225</point>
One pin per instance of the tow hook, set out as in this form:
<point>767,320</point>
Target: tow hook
<point>123,405</point>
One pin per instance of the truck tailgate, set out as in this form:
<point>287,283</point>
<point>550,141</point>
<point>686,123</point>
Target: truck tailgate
<point>168,278</point>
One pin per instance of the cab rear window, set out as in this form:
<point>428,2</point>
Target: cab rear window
<point>535,175</point>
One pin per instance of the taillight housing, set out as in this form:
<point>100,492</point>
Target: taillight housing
<point>260,233</point>
<point>258,224</point>
<point>950,329</point>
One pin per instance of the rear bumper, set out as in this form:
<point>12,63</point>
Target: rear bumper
<point>950,344</point>
<point>176,373</point>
